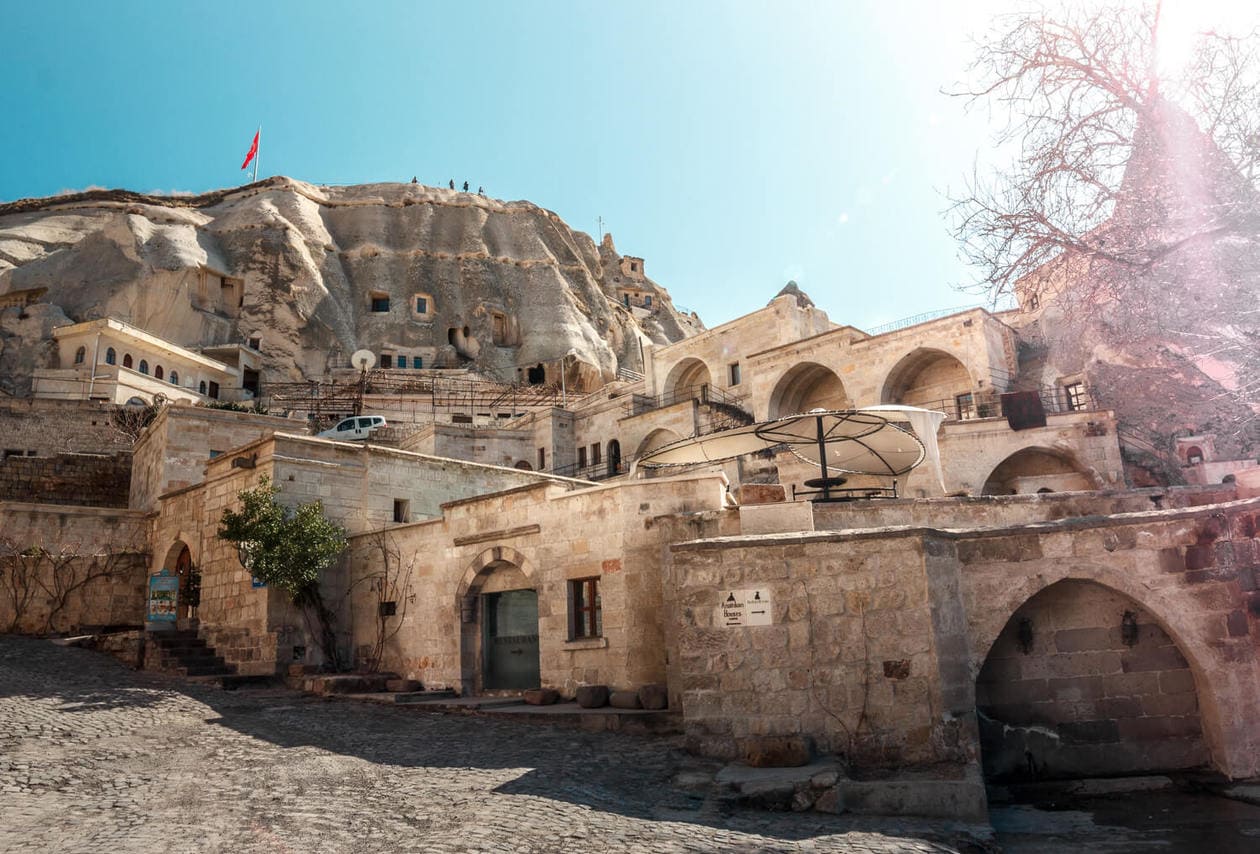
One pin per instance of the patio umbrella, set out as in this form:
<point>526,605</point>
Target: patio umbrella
<point>710,448</point>
<point>924,423</point>
<point>859,442</point>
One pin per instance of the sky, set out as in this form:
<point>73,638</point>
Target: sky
<point>733,145</point>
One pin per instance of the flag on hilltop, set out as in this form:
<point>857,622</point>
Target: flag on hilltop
<point>253,149</point>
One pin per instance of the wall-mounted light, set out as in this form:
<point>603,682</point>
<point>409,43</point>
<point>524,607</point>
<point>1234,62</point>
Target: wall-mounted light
<point>1129,628</point>
<point>1024,634</point>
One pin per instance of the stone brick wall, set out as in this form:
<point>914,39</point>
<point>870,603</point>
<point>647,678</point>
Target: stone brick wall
<point>48,595</point>
<point>1064,692</point>
<point>93,480</point>
<point>539,538</point>
<point>57,427</point>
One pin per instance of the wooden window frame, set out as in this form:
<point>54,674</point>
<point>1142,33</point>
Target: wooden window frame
<point>585,609</point>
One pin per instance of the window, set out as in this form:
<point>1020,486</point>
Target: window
<point>144,367</point>
<point>581,458</point>
<point>174,377</point>
<point>625,298</point>
<point>380,302</point>
<point>127,360</point>
<point>585,621</point>
<point>158,373</point>
<point>1194,455</point>
<point>595,454</point>
<point>214,390</point>
<point>201,387</point>
<point>417,362</point>
<point>542,459</point>
<point>734,370</point>
<point>387,360</point>
<point>365,423</point>
<point>422,305</point>
<point>647,301</point>
<point>402,510</point>
<point>255,343</point>
<point>111,356</point>
<point>214,453</point>
<point>1075,393</point>
<point>965,405</point>
<point>80,355</point>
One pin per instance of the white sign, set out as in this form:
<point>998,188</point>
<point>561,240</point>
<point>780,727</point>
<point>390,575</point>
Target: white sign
<point>745,608</point>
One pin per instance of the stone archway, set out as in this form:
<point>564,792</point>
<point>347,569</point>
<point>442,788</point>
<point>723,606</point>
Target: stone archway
<point>1083,681</point>
<point>179,562</point>
<point>807,386</point>
<point>499,637</point>
<point>686,379</point>
<point>931,378</point>
<point>1031,470</point>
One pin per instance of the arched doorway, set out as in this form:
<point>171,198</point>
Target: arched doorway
<point>499,638</point>
<point>614,458</point>
<point>1083,682</point>
<point>933,379</point>
<point>179,562</point>
<point>807,386</point>
<point>686,379</point>
<point>1031,470</point>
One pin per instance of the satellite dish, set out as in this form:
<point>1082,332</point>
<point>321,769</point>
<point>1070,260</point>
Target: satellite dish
<point>363,359</point>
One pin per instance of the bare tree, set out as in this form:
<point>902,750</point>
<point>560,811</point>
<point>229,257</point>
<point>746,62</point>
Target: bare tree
<point>390,579</point>
<point>17,581</point>
<point>1083,102</point>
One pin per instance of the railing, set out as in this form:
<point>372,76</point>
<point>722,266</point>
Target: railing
<point>975,405</point>
<point>602,470</point>
<point>917,319</point>
<point>628,375</point>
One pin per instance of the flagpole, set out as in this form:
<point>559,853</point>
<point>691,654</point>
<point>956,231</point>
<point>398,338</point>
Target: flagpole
<point>258,154</point>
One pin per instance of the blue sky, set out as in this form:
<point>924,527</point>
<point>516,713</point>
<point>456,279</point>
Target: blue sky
<point>734,145</point>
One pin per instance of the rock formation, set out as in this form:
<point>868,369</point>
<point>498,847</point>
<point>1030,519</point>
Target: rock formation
<point>317,272</point>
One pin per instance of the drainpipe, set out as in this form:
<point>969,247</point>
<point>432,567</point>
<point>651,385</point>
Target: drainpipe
<point>96,352</point>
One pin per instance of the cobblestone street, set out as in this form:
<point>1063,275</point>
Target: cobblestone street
<point>94,758</point>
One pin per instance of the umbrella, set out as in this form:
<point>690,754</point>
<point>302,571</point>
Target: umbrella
<point>710,448</point>
<point>846,440</point>
<point>924,423</point>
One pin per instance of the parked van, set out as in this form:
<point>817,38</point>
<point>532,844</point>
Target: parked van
<point>354,429</point>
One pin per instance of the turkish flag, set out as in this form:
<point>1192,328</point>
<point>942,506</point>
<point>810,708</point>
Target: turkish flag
<point>253,149</point>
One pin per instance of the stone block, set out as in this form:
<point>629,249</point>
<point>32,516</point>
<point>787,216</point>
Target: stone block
<point>777,751</point>
<point>1149,658</point>
<point>402,686</point>
<point>1236,624</point>
<point>592,696</point>
<point>624,700</point>
<point>654,696</point>
<point>830,801</point>
<point>541,696</point>
<point>1090,732</point>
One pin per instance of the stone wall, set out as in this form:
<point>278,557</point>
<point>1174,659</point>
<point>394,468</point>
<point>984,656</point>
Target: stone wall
<point>173,450</point>
<point>49,427</point>
<point>1082,682</point>
<point>537,538</point>
<point>93,480</point>
<point>64,546</point>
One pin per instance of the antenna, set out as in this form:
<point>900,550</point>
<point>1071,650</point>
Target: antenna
<point>600,220</point>
<point>364,360</point>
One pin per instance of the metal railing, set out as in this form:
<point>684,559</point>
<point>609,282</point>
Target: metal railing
<point>602,470</point>
<point>975,405</point>
<point>916,319</point>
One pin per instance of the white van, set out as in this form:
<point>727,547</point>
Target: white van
<point>354,429</point>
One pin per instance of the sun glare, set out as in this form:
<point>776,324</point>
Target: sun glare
<point>1181,22</point>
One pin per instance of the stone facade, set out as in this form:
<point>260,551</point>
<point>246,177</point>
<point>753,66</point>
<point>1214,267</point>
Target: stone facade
<point>95,480</point>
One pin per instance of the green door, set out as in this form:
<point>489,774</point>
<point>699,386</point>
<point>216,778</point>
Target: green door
<point>511,640</point>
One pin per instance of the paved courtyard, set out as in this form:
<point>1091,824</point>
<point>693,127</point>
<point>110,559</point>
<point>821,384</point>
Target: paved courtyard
<point>96,758</point>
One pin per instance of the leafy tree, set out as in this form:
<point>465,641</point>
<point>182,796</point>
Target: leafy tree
<point>288,548</point>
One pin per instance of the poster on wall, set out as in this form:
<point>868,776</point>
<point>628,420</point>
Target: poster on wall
<point>744,608</point>
<point>163,597</point>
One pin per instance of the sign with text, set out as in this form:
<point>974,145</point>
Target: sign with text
<point>751,607</point>
<point>163,597</point>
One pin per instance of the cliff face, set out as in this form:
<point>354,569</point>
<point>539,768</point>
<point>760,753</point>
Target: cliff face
<point>308,270</point>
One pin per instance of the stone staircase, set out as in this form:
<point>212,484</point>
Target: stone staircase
<point>184,653</point>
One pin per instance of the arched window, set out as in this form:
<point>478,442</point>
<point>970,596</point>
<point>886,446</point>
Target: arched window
<point>127,360</point>
<point>111,356</point>
<point>174,377</point>
<point>79,355</point>
<point>201,387</point>
<point>144,367</point>
<point>158,373</point>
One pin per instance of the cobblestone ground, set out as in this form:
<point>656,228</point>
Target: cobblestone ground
<point>96,758</point>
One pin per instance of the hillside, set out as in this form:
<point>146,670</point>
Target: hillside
<point>505,285</point>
